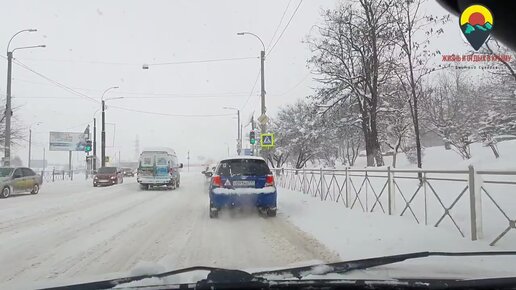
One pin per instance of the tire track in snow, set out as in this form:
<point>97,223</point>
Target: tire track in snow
<point>71,235</point>
<point>115,235</point>
<point>42,217</point>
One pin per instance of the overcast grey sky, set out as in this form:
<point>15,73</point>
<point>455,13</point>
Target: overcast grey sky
<point>92,45</point>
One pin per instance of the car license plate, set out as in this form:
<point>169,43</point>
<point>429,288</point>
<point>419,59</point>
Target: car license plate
<point>103,180</point>
<point>243,183</point>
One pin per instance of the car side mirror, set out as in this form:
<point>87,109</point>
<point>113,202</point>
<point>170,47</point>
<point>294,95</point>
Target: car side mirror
<point>180,165</point>
<point>203,172</point>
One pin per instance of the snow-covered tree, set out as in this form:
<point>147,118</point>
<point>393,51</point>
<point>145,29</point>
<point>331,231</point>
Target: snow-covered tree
<point>354,59</point>
<point>298,133</point>
<point>454,109</point>
<point>501,94</point>
<point>414,28</point>
<point>397,124</point>
<point>17,134</point>
<point>343,133</point>
<point>278,156</point>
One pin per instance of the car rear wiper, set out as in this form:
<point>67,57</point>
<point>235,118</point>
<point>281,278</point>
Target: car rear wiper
<point>344,267</point>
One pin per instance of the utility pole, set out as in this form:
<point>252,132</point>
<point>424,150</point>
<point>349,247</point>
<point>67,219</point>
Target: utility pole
<point>8,107</point>
<point>30,145</point>
<point>94,144</point>
<point>103,133</point>
<point>8,112</point>
<point>262,62</point>
<point>103,137</point>
<point>263,125</point>
<point>239,131</point>
<point>188,158</point>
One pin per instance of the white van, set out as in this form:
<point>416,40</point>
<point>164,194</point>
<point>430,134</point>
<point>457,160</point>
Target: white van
<point>159,167</point>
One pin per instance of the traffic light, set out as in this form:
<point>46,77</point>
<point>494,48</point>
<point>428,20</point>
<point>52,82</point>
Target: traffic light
<point>252,137</point>
<point>87,148</point>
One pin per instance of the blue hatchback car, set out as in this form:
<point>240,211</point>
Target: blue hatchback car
<point>243,182</point>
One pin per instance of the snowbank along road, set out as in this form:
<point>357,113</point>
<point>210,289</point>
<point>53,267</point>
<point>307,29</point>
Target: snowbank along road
<point>74,232</point>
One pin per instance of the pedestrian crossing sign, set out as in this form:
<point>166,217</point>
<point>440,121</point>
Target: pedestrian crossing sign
<point>267,140</point>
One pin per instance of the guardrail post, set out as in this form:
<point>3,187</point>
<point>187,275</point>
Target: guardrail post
<point>53,175</point>
<point>365,183</point>
<point>426,199</point>
<point>390,191</point>
<point>475,203</point>
<point>303,181</point>
<point>71,175</point>
<point>347,187</point>
<point>322,184</point>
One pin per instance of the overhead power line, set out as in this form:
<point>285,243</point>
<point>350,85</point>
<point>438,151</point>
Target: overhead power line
<point>279,24</point>
<point>170,115</point>
<point>139,64</point>
<point>285,28</point>
<point>141,94</point>
<point>252,90</point>
<point>69,89</point>
<point>204,61</point>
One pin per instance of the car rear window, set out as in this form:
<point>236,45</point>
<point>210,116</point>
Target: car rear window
<point>107,170</point>
<point>243,167</point>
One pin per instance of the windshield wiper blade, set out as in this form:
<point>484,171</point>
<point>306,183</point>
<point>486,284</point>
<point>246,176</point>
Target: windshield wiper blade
<point>220,273</point>
<point>344,267</point>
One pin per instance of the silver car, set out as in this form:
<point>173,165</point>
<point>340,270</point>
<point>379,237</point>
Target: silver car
<point>18,180</point>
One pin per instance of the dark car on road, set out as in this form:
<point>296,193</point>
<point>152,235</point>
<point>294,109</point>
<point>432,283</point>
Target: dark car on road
<point>243,182</point>
<point>108,176</point>
<point>128,172</point>
<point>18,180</point>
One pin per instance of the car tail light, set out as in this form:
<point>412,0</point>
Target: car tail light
<point>216,181</point>
<point>269,180</point>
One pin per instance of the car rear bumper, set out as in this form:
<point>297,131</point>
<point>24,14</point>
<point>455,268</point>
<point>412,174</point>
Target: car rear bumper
<point>266,200</point>
<point>155,181</point>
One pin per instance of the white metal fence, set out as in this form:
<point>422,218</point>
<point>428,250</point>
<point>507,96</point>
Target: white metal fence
<point>478,204</point>
<point>59,175</point>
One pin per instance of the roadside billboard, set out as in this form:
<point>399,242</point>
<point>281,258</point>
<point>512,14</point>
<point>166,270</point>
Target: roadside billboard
<point>67,141</point>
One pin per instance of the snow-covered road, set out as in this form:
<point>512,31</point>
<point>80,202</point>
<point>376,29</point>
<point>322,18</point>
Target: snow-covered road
<point>74,232</point>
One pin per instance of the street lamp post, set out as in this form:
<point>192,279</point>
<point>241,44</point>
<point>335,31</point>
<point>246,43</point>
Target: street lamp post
<point>103,133</point>
<point>8,109</point>
<point>239,134</point>
<point>263,127</point>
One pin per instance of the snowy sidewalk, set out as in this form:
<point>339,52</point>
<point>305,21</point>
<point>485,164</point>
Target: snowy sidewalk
<point>357,235</point>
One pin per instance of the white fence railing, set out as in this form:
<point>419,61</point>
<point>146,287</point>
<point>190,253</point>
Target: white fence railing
<point>59,175</point>
<point>479,204</point>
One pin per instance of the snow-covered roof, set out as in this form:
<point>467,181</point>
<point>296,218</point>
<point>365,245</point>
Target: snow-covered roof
<point>243,157</point>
